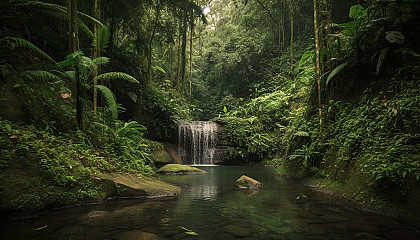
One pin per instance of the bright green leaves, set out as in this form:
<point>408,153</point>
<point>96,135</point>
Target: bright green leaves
<point>357,12</point>
<point>308,55</point>
<point>159,69</point>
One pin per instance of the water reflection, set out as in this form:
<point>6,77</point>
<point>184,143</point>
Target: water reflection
<point>211,207</point>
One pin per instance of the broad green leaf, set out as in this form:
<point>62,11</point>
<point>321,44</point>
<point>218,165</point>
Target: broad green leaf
<point>159,69</point>
<point>306,56</point>
<point>357,11</point>
<point>336,71</point>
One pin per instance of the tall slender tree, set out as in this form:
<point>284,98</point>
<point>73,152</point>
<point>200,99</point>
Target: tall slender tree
<point>317,59</point>
<point>96,53</point>
<point>72,13</point>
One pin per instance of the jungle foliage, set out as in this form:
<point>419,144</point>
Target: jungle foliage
<point>91,85</point>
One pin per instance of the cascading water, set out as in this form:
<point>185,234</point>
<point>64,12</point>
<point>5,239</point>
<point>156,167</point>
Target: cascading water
<point>197,142</point>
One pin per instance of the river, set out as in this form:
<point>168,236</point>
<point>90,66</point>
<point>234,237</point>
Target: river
<point>211,208</point>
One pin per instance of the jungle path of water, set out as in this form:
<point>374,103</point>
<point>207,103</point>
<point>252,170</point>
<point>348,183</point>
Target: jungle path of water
<point>211,207</point>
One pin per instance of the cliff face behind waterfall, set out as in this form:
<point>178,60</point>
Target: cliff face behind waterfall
<point>200,143</point>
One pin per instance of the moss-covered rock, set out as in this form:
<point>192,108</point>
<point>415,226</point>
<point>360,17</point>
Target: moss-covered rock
<point>179,169</point>
<point>248,183</point>
<point>159,154</point>
<point>137,185</point>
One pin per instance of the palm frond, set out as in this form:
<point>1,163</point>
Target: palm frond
<point>116,76</point>
<point>110,100</point>
<point>14,42</point>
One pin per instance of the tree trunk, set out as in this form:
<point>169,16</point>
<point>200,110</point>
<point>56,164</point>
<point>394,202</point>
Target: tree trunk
<point>149,48</point>
<point>317,60</point>
<point>177,82</point>
<point>96,54</point>
<point>73,25</point>
<point>183,55</point>
<point>191,42</point>
<point>291,43</point>
<point>72,11</point>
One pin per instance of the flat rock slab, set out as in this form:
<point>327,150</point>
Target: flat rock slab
<point>248,183</point>
<point>179,169</point>
<point>237,231</point>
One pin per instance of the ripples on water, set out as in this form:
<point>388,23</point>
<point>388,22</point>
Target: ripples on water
<point>211,207</point>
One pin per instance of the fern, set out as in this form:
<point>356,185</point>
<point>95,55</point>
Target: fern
<point>110,100</point>
<point>101,39</point>
<point>15,42</point>
<point>116,75</point>
<point>336,71</point>
<point>131,130</point>
<point>58,11</point>
<point>41,75</point>
<point>302,134</point>
<point>100,61</point>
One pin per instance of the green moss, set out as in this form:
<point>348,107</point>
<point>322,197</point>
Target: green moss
<point>158,154</point>
<point>179,169</point>
<point>241,182</point>
<point>39,170</point>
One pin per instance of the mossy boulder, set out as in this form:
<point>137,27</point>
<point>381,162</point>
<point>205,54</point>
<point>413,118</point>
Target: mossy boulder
<point>159,154</point>
<point>137,185</point>
<point>246,182</point>
<point>179,169</point>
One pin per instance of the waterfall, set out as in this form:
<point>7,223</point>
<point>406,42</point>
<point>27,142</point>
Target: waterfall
<point>197,142</point>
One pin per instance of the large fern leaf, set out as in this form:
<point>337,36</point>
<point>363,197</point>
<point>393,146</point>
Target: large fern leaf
<point>100,61</point>
<point>101,39</point>
<point>336,71</point>
<point>111,76</point>
<point>110,100</point>
<point>39,74</point>
<point>57,11</point>
<point>14,42</point>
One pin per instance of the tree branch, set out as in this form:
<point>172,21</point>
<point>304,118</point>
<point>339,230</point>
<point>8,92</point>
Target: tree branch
<point>268,11</point>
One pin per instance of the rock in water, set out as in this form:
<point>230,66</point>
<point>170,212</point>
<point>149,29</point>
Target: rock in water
<point>94,214</point>
<point>137,235</point>
<point>179,169</point>
<point>237,231</point>
<point>248,183</point>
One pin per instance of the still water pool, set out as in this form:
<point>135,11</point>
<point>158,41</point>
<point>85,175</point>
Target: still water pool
<point>211,208</point>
